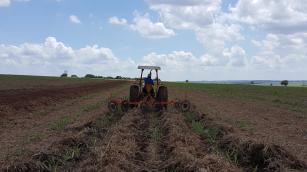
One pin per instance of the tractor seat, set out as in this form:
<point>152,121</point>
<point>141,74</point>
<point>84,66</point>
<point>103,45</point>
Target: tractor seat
<point>148,90</point>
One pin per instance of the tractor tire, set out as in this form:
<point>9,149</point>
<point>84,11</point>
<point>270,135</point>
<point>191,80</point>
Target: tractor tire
<point>134,95</point>
<point>162,96</point>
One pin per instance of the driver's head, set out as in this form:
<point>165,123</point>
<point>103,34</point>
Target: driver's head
<point>149,75</point>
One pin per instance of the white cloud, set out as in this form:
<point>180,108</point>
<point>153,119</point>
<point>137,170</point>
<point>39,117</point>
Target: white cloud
<point>148,29</point>
<point>280,50</point>
<point>117,21</point>
<point>74,19</point>
<point>236,56</point>
<point>5,3</point>
<point>53,57</point>
<point>215,36</point>
<point>143,25</point>
<point>282,16</point>
<point>186,14</point>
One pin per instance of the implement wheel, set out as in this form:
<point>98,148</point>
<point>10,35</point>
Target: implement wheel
<point>113,106</point>
<point>185,106</point>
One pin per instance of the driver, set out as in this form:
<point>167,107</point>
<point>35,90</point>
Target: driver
<point>149,85</point>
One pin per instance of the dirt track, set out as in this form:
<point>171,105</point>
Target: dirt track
<point>94,140</point>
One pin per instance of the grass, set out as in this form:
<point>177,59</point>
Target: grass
<point>60,124</point>
<point>34,137</point>
<point>293,98</point>
<point>91,107</point>
<point>232,155</point>
<point>156,134</point>
<point>210,133</point>
<point>244,125</point>
<point>198,128</point>
<point>190,116</point>
<point>72,153</point>
<point>105,122</point>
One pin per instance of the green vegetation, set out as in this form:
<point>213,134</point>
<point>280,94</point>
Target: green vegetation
<point>72,153</point>
<point>156,134</point>
<point>284,82</point>
<point>232,155</point>
<point>190,116</point>
<point>210,133</point>
<point>91,107</point>
<point>34,137</point>
<point>198,128</point>
<point>244,125</point>
<point>106,121</point>
<point>60,124</point>
<point>292,98</point>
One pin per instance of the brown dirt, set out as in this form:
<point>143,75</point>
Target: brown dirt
<point>22,134</point>
<point>16,101</point>
<point>95,140</point>
<point>255,120</point>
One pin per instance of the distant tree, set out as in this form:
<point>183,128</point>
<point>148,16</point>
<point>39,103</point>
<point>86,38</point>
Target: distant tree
<point>252,82</point>
<point>109,77</point>
<point>284,82</point>
<point>118,77</point>
<point>89,76</point>
<point>64,75</point>
<point>74,76</point>
<point>186,81</point>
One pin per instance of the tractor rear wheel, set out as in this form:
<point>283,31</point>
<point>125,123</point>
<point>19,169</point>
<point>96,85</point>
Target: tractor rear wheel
<point>162,97</point>
<point>134,95</point>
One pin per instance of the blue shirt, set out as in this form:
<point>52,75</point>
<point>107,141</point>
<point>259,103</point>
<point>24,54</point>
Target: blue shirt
<point>148,81</point>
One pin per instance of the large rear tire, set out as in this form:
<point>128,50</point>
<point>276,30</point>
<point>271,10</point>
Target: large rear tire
<point>162,97</point>
<point>134,95</point>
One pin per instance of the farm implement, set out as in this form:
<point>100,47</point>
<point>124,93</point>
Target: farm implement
<point>148,95</point>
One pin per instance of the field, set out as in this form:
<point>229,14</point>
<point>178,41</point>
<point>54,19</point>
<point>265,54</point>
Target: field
<point>62,124</point>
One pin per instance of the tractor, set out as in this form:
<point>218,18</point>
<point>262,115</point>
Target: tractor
<point>148,95</point>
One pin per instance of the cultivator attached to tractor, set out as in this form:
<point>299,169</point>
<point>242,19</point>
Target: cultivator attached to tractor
<point>147,96</point>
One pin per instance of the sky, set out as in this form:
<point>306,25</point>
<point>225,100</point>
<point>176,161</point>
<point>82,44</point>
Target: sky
<point>189,39</point>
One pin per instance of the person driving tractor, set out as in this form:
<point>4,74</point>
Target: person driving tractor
<point>148,88</point>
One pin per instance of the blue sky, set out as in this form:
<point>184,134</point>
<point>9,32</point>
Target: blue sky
<point>189,39</point>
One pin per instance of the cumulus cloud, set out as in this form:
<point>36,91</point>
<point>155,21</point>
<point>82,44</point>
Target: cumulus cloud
<point>148,29</point>
<point>281,16</point>
<point>52,56</point>
<point>117,21</point>
<point>206,19</point>
<point>281,50</point>
<point>186,14</point>
<point>74,19</point>
<point>6,3</point>
<point>143,25</point>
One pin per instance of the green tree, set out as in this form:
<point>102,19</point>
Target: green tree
<point>284,82</point>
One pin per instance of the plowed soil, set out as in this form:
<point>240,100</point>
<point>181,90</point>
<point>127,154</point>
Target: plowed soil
<point>73,131</point>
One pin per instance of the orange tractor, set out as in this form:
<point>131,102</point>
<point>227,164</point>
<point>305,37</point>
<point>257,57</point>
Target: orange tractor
<point>148,95</point>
